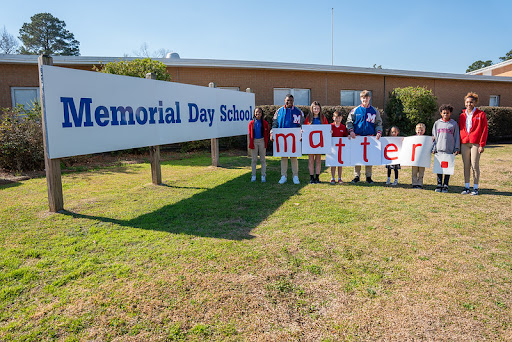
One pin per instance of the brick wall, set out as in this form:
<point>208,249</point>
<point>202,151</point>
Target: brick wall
<point>325,86</point>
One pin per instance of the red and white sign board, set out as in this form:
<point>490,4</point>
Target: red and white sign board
<point>444,164</point>
<point>339,154</point>
<point>391,147</point>
<point>316,139</point>
<point>416,151</point>
<point>365,151</point>
<point>287,142</point>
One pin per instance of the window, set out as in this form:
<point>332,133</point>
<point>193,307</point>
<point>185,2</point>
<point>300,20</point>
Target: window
<point>351,97</point>
<point>230,88</point>
<point>494,101</point>
<point>25,96</point>
<point>301,97</point>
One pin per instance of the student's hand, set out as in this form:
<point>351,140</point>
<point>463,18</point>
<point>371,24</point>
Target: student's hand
<point>378,136</point>
<point>271,136</point>
<point>456,152</point>
<point>352,135</point>
<point>481,149</point>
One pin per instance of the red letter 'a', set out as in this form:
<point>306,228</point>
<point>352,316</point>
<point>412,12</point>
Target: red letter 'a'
<point>285,141</point>
<point>320,144</point>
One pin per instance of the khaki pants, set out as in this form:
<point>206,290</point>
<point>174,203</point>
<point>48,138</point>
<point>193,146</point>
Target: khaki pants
<point>417,175</point>
<point>284,166</point>
<point>367,170</point>
<point>259,149</point>
<point>471,160</point>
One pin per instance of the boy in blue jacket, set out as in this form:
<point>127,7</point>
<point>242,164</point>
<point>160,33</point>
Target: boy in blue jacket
<point>288,116</point>
<point>364,120</point>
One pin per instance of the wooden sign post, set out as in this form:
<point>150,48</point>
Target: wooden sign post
<point>52,166</point>
<point>154,152</point>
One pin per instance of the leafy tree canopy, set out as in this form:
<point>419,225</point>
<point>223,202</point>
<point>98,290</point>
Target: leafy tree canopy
<point>478,65</point>
<point>136,68</point>
<point>507,56</point>
<point>47,35</point>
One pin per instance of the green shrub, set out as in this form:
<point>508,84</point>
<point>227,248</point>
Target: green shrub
<point>21,139</point>
<point>500,122</point>
<point>136,68</point>
<point>406,107</point>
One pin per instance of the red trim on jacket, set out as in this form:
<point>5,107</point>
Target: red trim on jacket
<point>324,121</point>
<point>479,128</point>
<point>266,133</point>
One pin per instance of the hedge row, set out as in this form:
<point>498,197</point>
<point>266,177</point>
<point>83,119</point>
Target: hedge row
<point>500,123</point>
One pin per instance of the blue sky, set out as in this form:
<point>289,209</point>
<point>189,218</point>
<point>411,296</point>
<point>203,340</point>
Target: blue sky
<point>438,36</point>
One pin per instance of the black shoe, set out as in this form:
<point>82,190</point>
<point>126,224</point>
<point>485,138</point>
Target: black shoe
<point>369,180</point>
<point>445,189</point>
<point>439,188</point>
<point>317,179</point>
<point>474,192</point>
<point>311,179</point>
<point>355,180</point>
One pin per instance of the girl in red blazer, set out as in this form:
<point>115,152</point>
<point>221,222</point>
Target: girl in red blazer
<point>258,139</point>
<point>473,137</point>
<point>315,117</point>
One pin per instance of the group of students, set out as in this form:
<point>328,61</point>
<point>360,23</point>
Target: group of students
<point>468,138</point>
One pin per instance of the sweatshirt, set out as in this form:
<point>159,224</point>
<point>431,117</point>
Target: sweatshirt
<point>446,136</point>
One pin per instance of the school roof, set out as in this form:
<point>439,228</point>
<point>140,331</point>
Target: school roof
<point>488,70</point>
<point>216,63</point>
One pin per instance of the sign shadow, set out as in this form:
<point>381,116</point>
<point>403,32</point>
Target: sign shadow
<point>230,210</point>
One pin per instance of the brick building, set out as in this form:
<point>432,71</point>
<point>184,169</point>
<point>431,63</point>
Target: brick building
<point>330,85</point>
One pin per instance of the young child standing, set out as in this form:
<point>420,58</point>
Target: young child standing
<point>418,171</point>
<point>338,130</point>
<point>394,132</point>
<point>315,117</point>
<point>446,140</point>
<point>258,139</point>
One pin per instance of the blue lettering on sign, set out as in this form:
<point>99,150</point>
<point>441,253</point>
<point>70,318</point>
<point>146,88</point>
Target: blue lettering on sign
<point>126,115</point>
<point>201,114</point>
<point>69,106</point>
<point>234,114</point>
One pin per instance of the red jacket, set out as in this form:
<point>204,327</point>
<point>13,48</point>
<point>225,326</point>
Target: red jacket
<point>266,133</point>
<point>324,121</point>
<point>479,129</point>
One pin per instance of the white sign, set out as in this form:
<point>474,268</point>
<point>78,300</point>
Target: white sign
<point>365,151</point>
<point>391,147</point>
<point>444,163</point>
<point>90,112</point>
<point>339,154</point>
<point>416,151</point>
<point>316,139</point>
<point>287,142</point>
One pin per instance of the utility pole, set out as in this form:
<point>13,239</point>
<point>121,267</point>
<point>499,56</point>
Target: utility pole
<point>332,36</point>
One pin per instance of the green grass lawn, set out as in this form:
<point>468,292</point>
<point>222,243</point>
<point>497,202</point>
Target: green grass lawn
<point>210,256</point>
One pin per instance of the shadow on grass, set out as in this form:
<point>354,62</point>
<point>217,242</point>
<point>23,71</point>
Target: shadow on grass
<point>5,183</point>
<point>228,211</point>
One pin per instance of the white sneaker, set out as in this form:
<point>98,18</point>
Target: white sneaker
<point>263,179</point>
<point>395,182</point>
<point>296,180</point>
<point>253,179</point>
<point>283,180</point>
<point>388,181</point>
